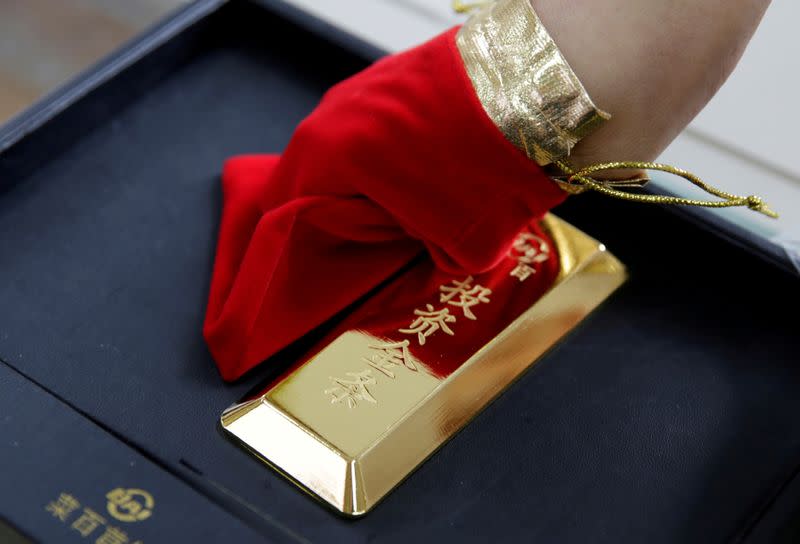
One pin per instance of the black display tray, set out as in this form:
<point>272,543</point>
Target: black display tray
<point>669,416</point>
<point>49,451</point>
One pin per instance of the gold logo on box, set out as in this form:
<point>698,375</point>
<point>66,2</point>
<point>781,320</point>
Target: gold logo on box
<point>130,505</point>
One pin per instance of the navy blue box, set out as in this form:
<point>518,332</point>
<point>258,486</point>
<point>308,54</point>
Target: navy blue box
<point>66,479</point>
<point>669,416</point>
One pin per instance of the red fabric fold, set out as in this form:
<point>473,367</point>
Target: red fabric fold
<point>398,159</point>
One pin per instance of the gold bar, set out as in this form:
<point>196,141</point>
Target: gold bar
<point>352,421</point>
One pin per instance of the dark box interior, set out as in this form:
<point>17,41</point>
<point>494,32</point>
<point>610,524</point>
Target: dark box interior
<point>669,416</point>
<point>49,449</point>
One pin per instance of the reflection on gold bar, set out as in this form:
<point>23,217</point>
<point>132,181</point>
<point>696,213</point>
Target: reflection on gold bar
<point>423,357</point>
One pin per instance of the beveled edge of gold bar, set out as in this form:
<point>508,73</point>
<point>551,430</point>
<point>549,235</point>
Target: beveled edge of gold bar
<point>353,485</point>
<point>329,475</point>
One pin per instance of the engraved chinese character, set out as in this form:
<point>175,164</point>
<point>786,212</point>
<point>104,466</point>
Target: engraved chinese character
<point>428,322</point>
<point>522,271</point>
<point>352,390</point>
<point>112,535</point>
<point>389,356</point>
<point>63,506</point>
<point>88,522</point>
<point>464,295</point>
<point>528,249</point>
<point>531,249</point>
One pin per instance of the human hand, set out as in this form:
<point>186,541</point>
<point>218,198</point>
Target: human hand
<point>652,64</point>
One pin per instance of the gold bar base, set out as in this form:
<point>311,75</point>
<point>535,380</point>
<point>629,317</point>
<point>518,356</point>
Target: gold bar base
<point>350,456</point>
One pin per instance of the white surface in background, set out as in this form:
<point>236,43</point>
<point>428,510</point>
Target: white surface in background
<point>392,25</point>
<point>758,109</point>
<point>743,142</point>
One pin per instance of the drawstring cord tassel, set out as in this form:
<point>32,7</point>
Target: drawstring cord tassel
<point>583,179</point>
<point>580,180</point>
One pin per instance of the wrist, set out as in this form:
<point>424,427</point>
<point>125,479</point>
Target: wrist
<point>652,64</point>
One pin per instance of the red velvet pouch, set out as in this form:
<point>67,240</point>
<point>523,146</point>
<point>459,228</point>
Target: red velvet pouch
<point>397,160</point>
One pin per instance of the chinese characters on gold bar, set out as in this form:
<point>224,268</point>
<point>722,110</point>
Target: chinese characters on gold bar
<point>527,250</point>
<point>385,358</point>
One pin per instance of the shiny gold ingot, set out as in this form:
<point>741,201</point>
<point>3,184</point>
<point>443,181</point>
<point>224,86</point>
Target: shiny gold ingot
<point>352,456</point>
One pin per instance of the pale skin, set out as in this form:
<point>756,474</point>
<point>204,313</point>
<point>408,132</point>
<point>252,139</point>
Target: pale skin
<point>652,64</point>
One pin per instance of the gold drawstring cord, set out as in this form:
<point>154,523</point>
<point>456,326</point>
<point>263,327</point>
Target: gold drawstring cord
<point>582,177</point>
<point>581,180</point>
